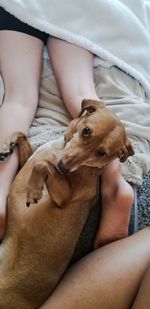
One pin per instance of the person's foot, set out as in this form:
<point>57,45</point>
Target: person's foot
<point>117,200</point>
<point>3,199</point>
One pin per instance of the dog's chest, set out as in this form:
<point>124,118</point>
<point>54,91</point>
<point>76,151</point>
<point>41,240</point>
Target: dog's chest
<point>84,183</point>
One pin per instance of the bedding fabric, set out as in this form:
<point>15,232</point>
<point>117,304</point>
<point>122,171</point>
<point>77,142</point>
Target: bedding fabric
<point>118,33</point>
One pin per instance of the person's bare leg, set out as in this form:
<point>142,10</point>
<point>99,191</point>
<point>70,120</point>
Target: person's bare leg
<point>108,278</point>
<point>117,200</point>
<point>73,67</point>
<point>20,66</point>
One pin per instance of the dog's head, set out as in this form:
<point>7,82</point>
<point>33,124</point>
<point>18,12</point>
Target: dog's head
<point>94,139</point>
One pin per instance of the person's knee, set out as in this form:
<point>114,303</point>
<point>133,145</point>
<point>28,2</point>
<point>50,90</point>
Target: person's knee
<point>31,96</point>
<point>26,96</point>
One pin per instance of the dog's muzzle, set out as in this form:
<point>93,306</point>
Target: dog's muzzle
<point>64,169</point>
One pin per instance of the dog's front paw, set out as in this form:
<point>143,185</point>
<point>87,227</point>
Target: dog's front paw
<point>33,196</point>
<point>7,150</point>
<point>4,155</point>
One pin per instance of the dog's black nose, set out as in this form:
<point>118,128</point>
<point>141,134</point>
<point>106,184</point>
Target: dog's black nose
<point>62,167</point>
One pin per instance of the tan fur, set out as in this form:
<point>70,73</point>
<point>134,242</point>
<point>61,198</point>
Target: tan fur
<point>41,238</point>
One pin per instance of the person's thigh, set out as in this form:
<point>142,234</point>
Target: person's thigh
<point>142,300</point>
<point>108,278</point>
<point>20,67</point>
<point>20,61</point>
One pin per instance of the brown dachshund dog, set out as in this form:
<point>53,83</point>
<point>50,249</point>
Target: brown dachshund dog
<point>49,202</point>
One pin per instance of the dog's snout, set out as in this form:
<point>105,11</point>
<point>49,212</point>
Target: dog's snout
<point>62,167</point>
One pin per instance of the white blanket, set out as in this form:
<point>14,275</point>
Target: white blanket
<point>115,30</point>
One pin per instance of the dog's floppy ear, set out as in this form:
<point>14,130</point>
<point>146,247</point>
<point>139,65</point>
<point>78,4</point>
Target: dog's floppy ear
<point>90,106</point>
<point>72,128</point>
<point>126,151</point>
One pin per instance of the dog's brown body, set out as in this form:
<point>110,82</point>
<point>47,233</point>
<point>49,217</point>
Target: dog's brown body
<point>41,239</point>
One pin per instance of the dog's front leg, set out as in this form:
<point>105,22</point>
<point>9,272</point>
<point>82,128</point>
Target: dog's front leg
<point>57,184</point>
<point>17,140</point>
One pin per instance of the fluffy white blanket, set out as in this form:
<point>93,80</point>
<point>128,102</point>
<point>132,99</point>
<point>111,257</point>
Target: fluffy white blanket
<point>115,30</point>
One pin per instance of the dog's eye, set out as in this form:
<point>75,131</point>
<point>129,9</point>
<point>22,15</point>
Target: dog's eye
<point>101,153</point>
<point>91,110</point>
<point>86,131</point>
